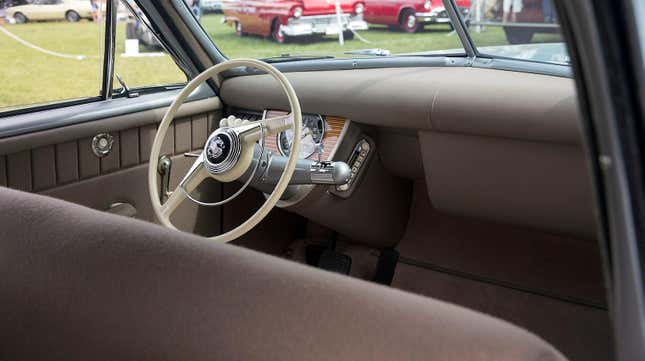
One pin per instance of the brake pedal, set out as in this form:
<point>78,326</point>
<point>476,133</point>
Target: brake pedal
<point>335,262</point>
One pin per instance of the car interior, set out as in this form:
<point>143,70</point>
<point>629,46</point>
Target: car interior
<point>464,226</point>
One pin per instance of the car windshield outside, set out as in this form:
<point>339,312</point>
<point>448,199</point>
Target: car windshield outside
<point>281,30</point>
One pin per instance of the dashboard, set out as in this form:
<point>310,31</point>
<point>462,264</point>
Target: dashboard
<point>482,151</point>
<point>322,136</point>
<point>335,138</point>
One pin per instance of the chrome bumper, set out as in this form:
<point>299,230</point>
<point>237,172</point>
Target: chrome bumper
<point>322,25</point>
<point>438,15</point>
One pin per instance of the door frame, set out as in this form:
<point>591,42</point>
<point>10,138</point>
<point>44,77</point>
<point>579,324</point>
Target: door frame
<point>608,64</point>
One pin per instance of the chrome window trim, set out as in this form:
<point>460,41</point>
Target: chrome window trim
<point>109,50</point>
<point>460,28</point>
<point>200,33</point>
<point>415,62</point>
<point>181,64</point>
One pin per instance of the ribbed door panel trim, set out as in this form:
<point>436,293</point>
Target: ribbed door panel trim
<point>53,165</point>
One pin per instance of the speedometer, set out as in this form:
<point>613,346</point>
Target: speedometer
<point>313,130</point>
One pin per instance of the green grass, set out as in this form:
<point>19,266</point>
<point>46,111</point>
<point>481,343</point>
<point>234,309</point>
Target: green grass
<point>31,77</point>
<point>436,37</point>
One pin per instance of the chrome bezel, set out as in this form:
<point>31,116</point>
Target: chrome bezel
<point>231,158</point>
<point>322,136</point>
<point>102,150</point>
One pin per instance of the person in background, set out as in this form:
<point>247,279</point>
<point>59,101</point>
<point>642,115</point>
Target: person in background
<point>515,5</point>
<point>548,11</point>
<point>95,10</point>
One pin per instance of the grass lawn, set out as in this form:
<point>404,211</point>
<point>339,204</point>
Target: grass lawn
<point>436,37</point>
<point>31,77</point>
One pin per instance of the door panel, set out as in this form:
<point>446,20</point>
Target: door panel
<point>51,163</point>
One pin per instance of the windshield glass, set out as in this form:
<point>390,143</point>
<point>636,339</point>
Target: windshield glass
<point>520,29</point>
<point>329,28</point>
<point>291,30</point>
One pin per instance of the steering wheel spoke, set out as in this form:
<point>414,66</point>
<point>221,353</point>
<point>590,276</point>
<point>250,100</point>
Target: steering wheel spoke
<point>280,123</point>
<point>251,132</point>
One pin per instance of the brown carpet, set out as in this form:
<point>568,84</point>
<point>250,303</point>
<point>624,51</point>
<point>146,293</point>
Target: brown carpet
<point>580,333</point>
<point>561,267</point>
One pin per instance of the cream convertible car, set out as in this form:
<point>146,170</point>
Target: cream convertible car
<point>449,207</point>
<point>41,10</point>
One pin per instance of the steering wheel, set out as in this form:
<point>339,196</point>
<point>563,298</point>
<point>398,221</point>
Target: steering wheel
<point>228,152</point>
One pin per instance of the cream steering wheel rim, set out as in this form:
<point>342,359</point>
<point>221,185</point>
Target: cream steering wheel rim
<point>163,213</point>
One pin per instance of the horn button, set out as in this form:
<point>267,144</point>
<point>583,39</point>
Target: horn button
<point>222,151</point>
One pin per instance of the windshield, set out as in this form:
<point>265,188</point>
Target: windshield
<point>291,30</point>
<point>330,28</point>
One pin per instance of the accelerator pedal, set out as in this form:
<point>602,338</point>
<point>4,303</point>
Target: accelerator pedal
<point>326,258</point>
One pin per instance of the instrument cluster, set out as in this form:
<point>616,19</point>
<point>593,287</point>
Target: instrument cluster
<point>313,131</point>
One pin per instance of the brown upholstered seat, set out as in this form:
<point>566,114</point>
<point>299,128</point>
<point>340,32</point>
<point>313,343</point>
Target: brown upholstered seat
<point>77,284</point>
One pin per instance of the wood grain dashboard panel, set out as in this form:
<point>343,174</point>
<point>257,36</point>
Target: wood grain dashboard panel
<point>333,129</point>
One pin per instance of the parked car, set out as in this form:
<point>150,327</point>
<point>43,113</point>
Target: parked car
<point>43,10</point>
<point>211,6</point>
<point>529,21</point>
<point>285,19</point>
<point>531,17</point>
<point>409,15</point>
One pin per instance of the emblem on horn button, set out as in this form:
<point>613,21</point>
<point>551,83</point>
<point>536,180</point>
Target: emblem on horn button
<point>222,151</point>
<point>218,148</point>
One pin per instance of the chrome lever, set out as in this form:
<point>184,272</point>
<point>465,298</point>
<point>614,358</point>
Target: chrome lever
<point>320,149</point>
<point>164,167</point>
<point>191,155</point>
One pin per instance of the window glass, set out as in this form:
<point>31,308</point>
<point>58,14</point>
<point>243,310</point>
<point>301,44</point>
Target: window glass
<point>338,28</point>
<point>50,51</point>
<point>522,29</point>
<point>140,60</point>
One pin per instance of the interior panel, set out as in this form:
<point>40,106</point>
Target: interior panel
<point>375,214</point>
<point>541,185</point>
<point>68,169</point>
<point>76,161</point>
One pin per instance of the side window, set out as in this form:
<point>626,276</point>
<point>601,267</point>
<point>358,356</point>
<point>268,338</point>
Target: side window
<point>49,56</point>
<point>140,59</point>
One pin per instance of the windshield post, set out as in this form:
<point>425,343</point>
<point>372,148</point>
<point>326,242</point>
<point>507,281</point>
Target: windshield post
<point>460,28</point>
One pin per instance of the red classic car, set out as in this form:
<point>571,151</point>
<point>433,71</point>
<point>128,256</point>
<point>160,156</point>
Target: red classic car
<point>283,19</point>
<point>409,15</point>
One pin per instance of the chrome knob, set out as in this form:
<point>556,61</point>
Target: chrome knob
<point>102,144</point>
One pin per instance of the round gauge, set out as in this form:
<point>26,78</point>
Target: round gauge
<point>313,130</point>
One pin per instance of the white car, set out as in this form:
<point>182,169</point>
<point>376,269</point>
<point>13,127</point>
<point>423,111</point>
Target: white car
<point>43,10</point>
<point>211,6</point>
